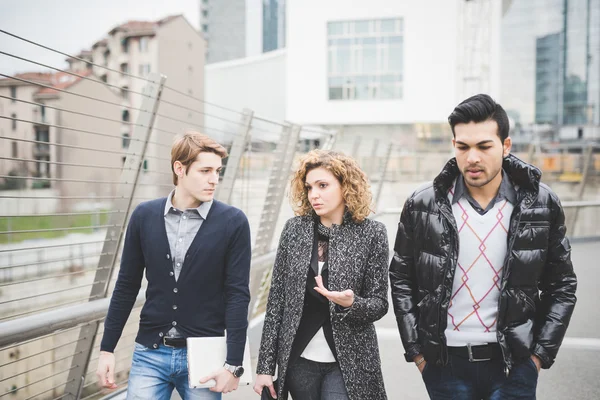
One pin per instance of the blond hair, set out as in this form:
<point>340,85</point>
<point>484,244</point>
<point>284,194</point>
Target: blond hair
<point>187,147</point>
<point>355,186</point>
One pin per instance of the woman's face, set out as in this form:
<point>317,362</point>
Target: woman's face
<point>325,194</point>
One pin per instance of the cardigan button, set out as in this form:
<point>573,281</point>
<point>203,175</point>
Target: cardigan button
<point>161,334</point>
<point>175,290</point>
<point>155,346</point>
<point>171,273</point>
<point>168,256</point>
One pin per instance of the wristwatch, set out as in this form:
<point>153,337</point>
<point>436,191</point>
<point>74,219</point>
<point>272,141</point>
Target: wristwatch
<point>236,371</point>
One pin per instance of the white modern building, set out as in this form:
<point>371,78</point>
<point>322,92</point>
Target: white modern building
<point>392,70</point>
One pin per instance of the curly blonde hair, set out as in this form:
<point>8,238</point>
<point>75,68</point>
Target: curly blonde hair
<point>356,190</point>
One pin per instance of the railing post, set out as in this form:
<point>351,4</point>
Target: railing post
<point>106,264</point>
<point>282,165</point>
<point>588,157</point>
<point>386,161</point>
<point>225,188</point>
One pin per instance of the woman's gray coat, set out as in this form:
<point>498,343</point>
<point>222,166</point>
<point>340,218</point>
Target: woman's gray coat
<point>357,260</point>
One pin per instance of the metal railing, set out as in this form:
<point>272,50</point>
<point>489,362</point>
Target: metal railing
<point>65,209</point>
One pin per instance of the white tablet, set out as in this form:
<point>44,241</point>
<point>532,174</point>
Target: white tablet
<point>205,355</point>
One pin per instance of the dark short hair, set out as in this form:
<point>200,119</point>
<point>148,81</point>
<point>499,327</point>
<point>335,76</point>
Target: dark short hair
<point>480,108</point>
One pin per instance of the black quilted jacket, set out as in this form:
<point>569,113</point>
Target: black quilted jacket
<point>538,283</point>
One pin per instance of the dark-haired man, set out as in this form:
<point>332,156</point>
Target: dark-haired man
<point>482,282</point>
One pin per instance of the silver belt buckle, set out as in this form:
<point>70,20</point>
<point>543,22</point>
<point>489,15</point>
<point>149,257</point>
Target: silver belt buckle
<point>471,359</point>
<point>165,343</point>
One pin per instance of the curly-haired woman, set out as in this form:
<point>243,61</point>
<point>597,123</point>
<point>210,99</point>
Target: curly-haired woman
<point>329,285</point>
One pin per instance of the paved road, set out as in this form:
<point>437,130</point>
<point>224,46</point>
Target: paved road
<point>574,375</point>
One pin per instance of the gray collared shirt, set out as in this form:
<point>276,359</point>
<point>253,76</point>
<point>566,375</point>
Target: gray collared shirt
<point>507,191</point>
<point>182,227</point>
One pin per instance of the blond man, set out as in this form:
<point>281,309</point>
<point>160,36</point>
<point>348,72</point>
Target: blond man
<point>195,253</point>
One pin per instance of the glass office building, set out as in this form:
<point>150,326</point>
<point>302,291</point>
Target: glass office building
<point>550,59</point>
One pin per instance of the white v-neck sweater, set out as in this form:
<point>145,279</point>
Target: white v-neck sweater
<point>473,309</point>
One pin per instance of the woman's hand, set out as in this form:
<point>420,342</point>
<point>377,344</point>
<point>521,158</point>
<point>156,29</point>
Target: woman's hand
<point>344,299</point>
<point>262,381</point>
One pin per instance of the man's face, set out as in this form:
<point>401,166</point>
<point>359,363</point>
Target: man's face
<point>479,152</point>
<point>201,178</point>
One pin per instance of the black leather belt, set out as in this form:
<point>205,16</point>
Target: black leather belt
<point>485,352</point>
<point>174,341</point>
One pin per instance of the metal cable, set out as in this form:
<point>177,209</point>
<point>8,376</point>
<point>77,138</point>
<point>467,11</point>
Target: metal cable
<point>72,74</point>
<point>86,115</point>
<point>83,165</point>
<point>42,352</point>
<point>64,214</point>
<point>56,245</point>
<point>41,366</point>
<point>126,153</point>
<point>52,388</point>
<point>73,57</point>
<point>53,292</point>
<point>53,261</point>
<point>41,178</point>
<point>120,105</point>
<point>202,100</point>
<point>84,271</point>
<point>40,380</point>
<point>76,228</point>
<point>200,112</point>
<point>69,145</point>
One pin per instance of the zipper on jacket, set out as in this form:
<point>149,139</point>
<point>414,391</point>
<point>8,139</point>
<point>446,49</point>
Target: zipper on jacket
<point>522,206</point>
<point>455,250</point>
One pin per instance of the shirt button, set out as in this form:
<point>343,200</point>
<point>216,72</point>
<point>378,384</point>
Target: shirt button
<point>155,346</point>
<point>180,239</point>
<point>184,217</point>
<point>175,290</point>
<point>174,306</point>
<point>161,334</point>
<point>168,256</point>
<point>179,264</point>
<point>174,323</point>
<point>171,273</point>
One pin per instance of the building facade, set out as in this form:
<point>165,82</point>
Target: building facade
<point>388,70</point>
<point>551,66</point>
<point>236,29</point>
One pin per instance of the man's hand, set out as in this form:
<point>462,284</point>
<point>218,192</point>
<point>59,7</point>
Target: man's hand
<point>344,299</point>
<point>421,366</point>
<point>537,362</point>
<point>262,381</point>
<point>106,370</point>
<point>225,381</point>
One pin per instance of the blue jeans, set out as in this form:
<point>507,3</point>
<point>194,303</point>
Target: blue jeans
<point>312,380</point>
<point>464,380</point>
<point>155,373</point>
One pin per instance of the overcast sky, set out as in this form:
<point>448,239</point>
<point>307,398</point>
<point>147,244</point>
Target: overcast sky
<point>72,25</point>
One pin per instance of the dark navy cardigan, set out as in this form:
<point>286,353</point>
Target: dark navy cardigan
<point>212,293</point>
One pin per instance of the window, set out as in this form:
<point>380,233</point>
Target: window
<point>143,45</point>
<point>126,140</point>
<point>124,68</point>
<point>13,93</point>
<point>204,28</point>
<point>125,92</point>
<point>204,13</point>
<point>104,78</point>
<point>106,55</point>
<point>144,69</point>
<point>43,113</point>
<point>15,150</point>
<point>125,116</point>
<point>125,45</point>
<point>14,121</point>
<point>365,59</point>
